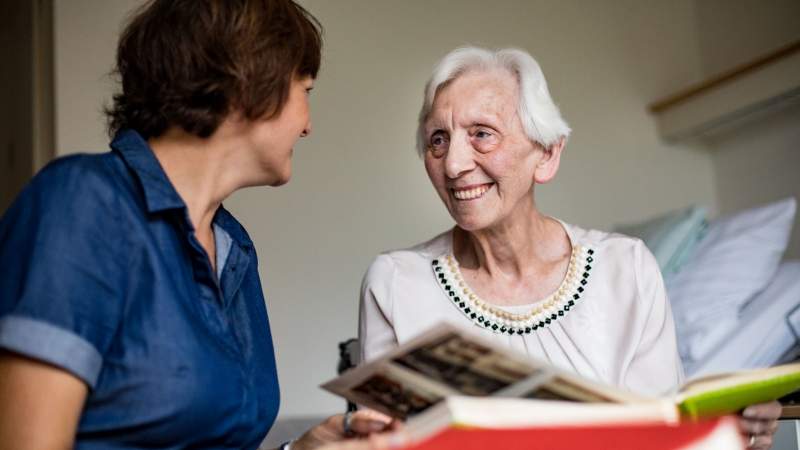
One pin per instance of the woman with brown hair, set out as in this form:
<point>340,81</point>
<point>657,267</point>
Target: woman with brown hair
<point>131,311</point>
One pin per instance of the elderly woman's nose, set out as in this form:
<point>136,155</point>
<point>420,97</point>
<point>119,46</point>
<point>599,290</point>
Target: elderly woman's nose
<point>459,159</point>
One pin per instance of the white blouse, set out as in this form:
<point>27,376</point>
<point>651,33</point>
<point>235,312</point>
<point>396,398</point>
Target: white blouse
<point>610,320</point>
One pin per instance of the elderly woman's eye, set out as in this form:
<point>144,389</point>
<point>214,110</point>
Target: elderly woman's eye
<point>438,142</point>
<point>482,134</point>
<point>483,139</point>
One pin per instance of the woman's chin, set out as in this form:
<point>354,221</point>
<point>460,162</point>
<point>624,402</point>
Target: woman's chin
<point>268,180</point>
<point>471,223</point>
<point>281,180</point>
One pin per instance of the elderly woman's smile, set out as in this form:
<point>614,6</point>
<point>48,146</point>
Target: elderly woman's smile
<point>471,192</point>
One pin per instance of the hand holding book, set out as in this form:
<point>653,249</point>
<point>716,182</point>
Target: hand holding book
<point>335,433</point>
<point>760,422</point>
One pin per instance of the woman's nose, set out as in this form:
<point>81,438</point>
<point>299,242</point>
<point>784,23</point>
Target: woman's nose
<point>459,158</point>
<point>306,130</point>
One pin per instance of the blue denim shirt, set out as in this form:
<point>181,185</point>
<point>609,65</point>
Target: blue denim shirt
<point>102,276</point>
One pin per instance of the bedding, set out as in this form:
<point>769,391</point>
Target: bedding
<point>766,328</point>
<point>735,260</point>
<point>671,237</point>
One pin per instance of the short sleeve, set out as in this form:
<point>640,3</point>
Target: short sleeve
<point>64,262</point>
<point>656,366</point>
<point>376,332</point>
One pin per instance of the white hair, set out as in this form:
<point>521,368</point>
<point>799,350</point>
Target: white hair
<point>540,117</point>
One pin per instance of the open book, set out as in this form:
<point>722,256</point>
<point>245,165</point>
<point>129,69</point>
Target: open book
<point>448,361</point>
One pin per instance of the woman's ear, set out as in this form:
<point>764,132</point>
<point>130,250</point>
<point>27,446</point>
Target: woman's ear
<point>547,167</point>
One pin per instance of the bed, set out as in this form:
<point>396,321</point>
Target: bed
<point>734,297</point>
<point>767,330</point>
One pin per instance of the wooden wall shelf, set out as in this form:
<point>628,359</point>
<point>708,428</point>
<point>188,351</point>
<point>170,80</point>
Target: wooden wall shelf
<point>732,96</point>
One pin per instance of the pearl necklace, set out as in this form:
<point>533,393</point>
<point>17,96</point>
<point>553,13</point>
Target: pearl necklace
<point>483,314</point>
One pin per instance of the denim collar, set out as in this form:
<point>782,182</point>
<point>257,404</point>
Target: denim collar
<point>229,223</point>
<point>159,193</point>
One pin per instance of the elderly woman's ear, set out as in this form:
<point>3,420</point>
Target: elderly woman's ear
<point>547,167</point>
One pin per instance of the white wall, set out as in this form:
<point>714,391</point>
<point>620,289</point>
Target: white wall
<point>358,187</point>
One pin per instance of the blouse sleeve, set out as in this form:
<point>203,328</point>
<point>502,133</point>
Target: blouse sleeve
<point>375,332</point>
<point>656,366</point>
<point>61,294</point>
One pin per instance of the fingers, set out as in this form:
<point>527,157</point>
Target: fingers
<point>331,433</point>
<point>374,415</point>
<point>396,425</point>
<point>762,442</point>
<point>763,411</point>
<point>392,424</point>
<point>757,427</point>
<point>760,422</point>
<point>367,421</point>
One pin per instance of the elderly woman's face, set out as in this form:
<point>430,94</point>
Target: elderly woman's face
<point>479,158</point>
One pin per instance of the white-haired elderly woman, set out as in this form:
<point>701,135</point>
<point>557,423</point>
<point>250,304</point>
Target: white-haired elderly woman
<point>584,300</point>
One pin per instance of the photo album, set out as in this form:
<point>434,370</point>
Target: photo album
<point>448,361</point>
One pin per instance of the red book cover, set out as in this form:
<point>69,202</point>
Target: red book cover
<point>707,435</point>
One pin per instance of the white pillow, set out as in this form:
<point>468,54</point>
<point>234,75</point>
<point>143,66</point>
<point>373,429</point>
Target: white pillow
<point>765,331</point>
<point>734,261</point>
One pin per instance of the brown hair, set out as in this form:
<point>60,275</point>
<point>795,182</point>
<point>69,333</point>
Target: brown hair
<point>189,63</point>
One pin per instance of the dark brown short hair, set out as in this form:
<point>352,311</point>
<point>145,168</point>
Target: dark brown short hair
<point>189,63</point>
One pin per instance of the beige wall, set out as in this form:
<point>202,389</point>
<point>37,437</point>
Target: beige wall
<point>358,186</point>
<point>85,34</point>
<point>735,32</point>
<point>757,161</point>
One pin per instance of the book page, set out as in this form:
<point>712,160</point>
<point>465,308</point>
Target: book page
<point>392,392</point>
<point>448,361</point>
<point>514,412</point>
<point>440,363</point>
<point>464,365</point>
<point>558,388</point>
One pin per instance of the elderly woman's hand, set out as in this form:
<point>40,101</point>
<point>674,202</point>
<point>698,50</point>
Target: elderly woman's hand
<point>759,423</point>
<point>361,424</point>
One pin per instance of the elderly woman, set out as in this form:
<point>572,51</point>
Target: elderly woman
<point>587,301</point>
<point>131,311</point>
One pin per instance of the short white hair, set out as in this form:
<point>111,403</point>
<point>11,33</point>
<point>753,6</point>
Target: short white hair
<point>540,117</point>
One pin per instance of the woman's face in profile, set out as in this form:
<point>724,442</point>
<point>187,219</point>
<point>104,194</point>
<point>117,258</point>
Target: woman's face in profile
<point>273,139</point>
<point>478,156</point>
